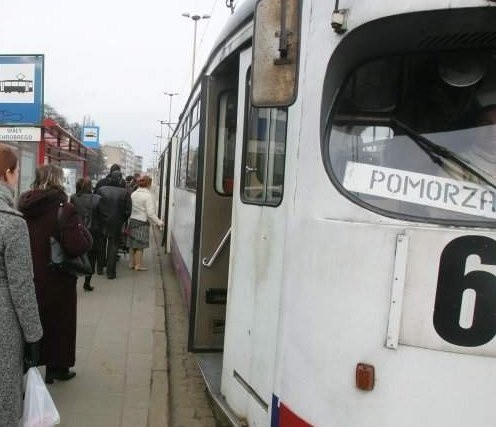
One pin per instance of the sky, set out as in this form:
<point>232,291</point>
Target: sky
<point>112,60</point>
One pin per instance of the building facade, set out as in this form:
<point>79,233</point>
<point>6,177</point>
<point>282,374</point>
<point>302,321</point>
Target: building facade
<point>122,153</point>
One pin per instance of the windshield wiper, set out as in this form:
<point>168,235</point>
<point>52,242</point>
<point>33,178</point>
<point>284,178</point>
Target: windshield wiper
<point>438,153</point>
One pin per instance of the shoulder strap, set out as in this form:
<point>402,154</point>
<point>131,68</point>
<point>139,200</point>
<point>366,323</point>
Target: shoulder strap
<point>60,216</point>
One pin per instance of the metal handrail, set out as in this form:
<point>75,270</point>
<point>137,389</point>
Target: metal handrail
<point>209,262</point>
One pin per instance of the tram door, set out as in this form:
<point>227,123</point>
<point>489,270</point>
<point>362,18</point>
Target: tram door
<point>257,243</point>
<point>214,206</point>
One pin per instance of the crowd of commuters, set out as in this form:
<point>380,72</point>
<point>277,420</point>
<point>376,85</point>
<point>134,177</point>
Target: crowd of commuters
<point>38,302</point>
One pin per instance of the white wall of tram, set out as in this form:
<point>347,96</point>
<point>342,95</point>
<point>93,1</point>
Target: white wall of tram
<point>338,272</point>
<point>312,299</point>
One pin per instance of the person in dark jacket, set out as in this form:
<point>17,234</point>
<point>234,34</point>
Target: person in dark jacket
<point>115,209</point>
<point>106,181</point>
<point>87,206</point>
<point>55,289</point>
<point>19,319</point>
<point>131,184</point>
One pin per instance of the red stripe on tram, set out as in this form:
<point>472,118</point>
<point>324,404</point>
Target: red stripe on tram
<point>287,418</point>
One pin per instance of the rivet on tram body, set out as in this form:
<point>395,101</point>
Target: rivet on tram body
<point>365,377</point>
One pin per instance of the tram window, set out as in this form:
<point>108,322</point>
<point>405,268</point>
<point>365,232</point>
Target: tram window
<point>264,155</point>
<point>392,142</point>
<point>195,113</point>
<point>183,163</point>
<point>192,173</point>
<point>226,140</point>
<point>198,110</point>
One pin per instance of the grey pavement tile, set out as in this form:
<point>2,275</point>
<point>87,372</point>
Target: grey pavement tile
<point>84,334</point>
<point>101,363</point>
<point>138,377</point>
<point>159,398</point>
<point>146,282</point>
<point>93,420</point>
<point>142,308</point>
<point>82,353</point>
<point>115,325</point>
<point>91,382</point>
<point>159,352</point>
<point>137,397</point>
<point>140,341</point>
<point>104,333</point>
<point>159,319</point>
<point>108,335</point>
<point>139,361</point>
<point>110,349</point>
<point>142,322</point>
<point>159,297</point>
<point>98,403</point>
<point>133,417</point>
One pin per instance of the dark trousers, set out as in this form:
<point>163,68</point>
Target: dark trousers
<point>94,255</point>
<point>113,243</point>
<point>101,254</point>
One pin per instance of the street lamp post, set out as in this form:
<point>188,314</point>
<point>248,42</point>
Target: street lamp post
<point>170,95</point>
<point>195,19</point>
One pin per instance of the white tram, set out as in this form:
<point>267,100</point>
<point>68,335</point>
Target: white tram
<point>330,196</point>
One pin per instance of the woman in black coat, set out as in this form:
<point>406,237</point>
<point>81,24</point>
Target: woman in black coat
<point>55,289</point>
<point>87,205</point>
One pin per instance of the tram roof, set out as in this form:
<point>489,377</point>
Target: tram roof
<point>243,14</point>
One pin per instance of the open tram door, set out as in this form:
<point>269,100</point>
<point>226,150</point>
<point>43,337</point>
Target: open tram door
<point>213,208</point>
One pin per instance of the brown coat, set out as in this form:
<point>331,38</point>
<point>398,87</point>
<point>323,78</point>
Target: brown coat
<point>55,290</point>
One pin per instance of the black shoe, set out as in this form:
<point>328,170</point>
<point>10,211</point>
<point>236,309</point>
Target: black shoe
<point>99,272</point>
<point>111,276</point>
<point>87,287</point>
<point>58,374</point>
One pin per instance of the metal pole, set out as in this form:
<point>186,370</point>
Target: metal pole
<point>194,52</point>
<point>170,117</point>
<point>169,122</point>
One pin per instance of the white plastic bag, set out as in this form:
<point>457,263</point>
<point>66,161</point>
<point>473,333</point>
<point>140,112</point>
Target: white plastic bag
<point>39,409</point>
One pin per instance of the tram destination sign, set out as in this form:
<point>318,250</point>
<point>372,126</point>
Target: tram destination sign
<point>422,189</point>
<point>20,134</point>
<point>21,90</point>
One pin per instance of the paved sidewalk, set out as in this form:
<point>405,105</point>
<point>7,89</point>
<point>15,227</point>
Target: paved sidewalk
<point>190,404</point>
<point>121,353</point>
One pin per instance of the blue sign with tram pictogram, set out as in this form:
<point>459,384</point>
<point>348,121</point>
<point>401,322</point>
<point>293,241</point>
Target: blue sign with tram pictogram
<point>91,136</point>
<point>21,90</point>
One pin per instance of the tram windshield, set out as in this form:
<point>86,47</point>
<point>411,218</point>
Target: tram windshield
<point>415,136</point>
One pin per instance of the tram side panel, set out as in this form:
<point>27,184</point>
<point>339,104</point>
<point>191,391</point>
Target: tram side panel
<point>169,186</point>
<point>182,236</point>
<point>257,245</point>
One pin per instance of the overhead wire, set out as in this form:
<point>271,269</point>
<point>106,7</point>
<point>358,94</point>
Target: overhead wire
<point>208,22</point>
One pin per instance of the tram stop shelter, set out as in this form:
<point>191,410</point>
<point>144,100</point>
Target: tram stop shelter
<point>60,147</point>
<point>48,143</point>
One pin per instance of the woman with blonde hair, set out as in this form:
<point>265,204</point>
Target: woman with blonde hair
<point>143,211</point>
<point>19,319</point>
<point>55,289</point>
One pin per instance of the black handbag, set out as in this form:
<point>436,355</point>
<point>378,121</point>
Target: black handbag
<point>59,260</point>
